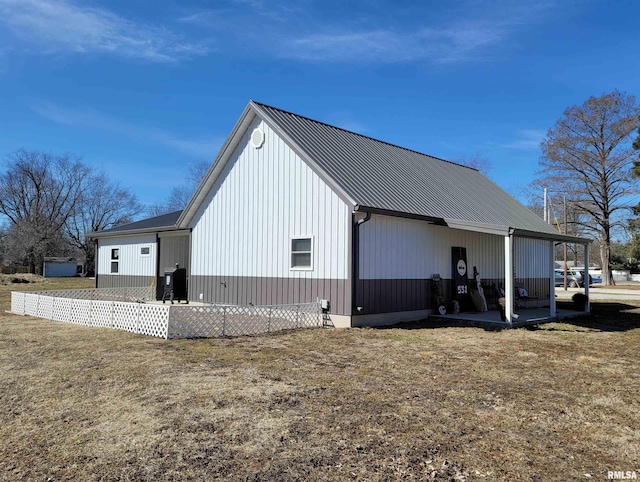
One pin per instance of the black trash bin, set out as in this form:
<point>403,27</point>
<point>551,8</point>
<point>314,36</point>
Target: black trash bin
<point>175,284</point>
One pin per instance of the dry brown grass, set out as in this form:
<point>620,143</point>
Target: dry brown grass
<point>620,286</point>
<point>452,403</point>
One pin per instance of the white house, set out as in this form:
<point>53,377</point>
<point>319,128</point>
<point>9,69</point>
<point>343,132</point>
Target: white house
<point>295,210</point>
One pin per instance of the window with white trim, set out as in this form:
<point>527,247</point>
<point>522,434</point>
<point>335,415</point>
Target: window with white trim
<point>115,260</point>
<point>302,252</point>
<point>145,251</point>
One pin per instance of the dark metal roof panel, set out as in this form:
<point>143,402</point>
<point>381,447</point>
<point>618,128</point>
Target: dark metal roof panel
<point>388,177</point>
<point>167,220</point>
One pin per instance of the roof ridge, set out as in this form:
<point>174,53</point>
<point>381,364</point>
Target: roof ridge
<point>262,104</point>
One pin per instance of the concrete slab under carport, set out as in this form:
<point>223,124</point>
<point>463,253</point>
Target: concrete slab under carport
<point>527,316</point>
<point>599,293</point>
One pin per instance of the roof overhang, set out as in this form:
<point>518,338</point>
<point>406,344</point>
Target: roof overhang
<point>523,233</point>
<point>386,212</point>
<point>136,232</point>
<point>494,229</point>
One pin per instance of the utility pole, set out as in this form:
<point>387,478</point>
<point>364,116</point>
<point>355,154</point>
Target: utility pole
<point>545,205</point>
<point>565,243</point>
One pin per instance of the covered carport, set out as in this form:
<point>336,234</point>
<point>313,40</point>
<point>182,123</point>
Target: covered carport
<point>509,235</point>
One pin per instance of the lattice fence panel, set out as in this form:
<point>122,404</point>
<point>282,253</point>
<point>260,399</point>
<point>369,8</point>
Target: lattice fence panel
<point>81,312</point>
<point>31,301</point>
<point>62,309</point>
<point>45,307</point>
<point>133,294</point>
<point>170,321</point>
<point>18,302</point>
<point>102,314</point>
<point>196,321</point>
<point>125,316</point>
<point>153,320</point>
<point>213,321</point>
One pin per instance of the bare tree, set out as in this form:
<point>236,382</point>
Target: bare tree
<point>477,161</point>
<point>181,195</point>
<point>38,193</point>
<point>197,171</point>
<point>588,156</point>
<point>104,204</point>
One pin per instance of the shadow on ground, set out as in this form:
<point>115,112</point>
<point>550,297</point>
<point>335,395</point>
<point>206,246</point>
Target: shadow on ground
<point>604,316</point>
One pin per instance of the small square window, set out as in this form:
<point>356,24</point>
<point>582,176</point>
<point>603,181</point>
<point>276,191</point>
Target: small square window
<point>145,251</point>
<point>115,257</point>
<point>302,253</point>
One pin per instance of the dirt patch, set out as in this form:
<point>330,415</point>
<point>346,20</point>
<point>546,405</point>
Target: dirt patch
<point>21,278</point>
<point>444,403</point>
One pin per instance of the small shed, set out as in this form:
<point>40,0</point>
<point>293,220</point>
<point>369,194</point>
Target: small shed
<point>56,267</point>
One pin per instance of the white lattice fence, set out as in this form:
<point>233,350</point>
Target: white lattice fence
<point>141,318</point>
<point>102,313</point>
<point>125,316</point>
<point>45,307</point>
<point>18,301</point>
<point>217,320</point>
<point>153,320</point>
<point>31,301</point>
<point>134,294</point>
<point>62,309</point>
<point>165,321</point>
<point>81,313</point>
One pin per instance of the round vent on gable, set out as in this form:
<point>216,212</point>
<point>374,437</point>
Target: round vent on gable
<point>257,138</point>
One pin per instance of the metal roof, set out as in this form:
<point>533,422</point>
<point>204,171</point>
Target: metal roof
<point>164,222</point>
<point>383,177</point>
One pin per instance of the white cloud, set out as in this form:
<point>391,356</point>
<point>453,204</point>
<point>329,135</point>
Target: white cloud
<point>468,33</point>
<point>205,148</point>
<point>526,139</point>
<point>438,46</point>
<point>63,26</point>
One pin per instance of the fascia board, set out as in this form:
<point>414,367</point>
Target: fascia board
<point>523,233</point>
<point>132,232</point>
<point>495,229</point>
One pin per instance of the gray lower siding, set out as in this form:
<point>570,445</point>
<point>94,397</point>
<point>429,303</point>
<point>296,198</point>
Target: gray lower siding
<point>394,295</point>
<point>373,295</point>
<point>121,281</point>
<point>239,290</point>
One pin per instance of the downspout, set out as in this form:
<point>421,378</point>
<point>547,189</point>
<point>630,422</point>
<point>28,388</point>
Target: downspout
<point>95,261</point>
<point>157,283</point>
<point>355,272</point>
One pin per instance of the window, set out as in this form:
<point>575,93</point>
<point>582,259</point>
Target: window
<point>302,253</point>
<point>115,260</point>
<point>145,251</point>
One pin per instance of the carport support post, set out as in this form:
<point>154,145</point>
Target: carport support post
<point>508,278</point>
<point>552,279</point>
<point>587,307</point>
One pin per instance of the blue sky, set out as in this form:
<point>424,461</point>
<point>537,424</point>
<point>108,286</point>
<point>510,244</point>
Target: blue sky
<point>145,88</point>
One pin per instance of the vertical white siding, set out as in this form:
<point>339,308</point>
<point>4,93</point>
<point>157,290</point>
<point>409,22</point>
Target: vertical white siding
<point>131,262</point>
<point>397,248</point>
<point>263,198</point>
<point>532,258</point>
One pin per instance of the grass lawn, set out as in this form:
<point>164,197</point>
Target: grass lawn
<point>451,403</point>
